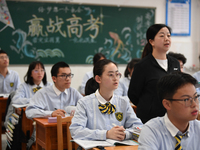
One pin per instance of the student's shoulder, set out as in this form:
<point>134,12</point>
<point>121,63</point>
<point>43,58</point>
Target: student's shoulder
<point>13,72</point>
<point>155,124</point>
<point>88,99</point>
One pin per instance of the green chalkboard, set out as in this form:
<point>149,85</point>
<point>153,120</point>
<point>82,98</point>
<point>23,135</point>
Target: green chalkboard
<point>52,32</point>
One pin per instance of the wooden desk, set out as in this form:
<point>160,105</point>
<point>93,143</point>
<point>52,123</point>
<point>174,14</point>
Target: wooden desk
<point>120,148</point>
<point>3,102</point>
<point>46,135</point>
<point>27,126</point>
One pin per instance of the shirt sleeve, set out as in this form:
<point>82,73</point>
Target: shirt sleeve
<point>20,97</point>
<point>147,139</point>
<point>79,128</point>
<point>36,107</point>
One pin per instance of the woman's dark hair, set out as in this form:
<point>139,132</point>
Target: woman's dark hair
<point>91,86</point>
<point>130,66</point>
<point>28,78</point>
<point>100,65</point>
<point>150,34</point>
<point>97,56</point>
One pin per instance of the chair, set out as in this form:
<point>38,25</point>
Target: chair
<point>60,126</point>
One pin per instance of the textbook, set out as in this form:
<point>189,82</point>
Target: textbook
<point>88,144</point>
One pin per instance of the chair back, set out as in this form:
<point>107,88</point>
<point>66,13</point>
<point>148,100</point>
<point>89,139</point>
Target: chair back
<point>63,122</point>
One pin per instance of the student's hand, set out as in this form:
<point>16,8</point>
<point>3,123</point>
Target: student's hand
<point>58,112</point>
<point>116,133</point>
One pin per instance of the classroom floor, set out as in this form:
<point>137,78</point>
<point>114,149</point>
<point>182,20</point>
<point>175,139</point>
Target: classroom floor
<point>3,138</point>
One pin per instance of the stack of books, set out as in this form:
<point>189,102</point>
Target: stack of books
<point>136,132</point>
<point>13,120</point>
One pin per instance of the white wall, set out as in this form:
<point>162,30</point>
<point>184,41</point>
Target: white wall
<point>189,46</point>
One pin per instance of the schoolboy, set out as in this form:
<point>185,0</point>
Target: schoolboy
<point>52,100</point>
<point>178,129</point>
<point>9,79</point>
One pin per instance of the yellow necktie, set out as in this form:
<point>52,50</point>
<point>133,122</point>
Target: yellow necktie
<point>178,142</point>
<point>36,89</point>
<point>107,108</point>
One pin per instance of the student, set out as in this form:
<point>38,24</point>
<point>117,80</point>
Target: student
<point>180,57</point>
<point>154,64</point>
<point>51,100</point>
<point>95,114</point>
<point>34,80</point>
<point>181,101</point>
<point>88,75</point>
<point>9,79</point>
<point>124,82</point>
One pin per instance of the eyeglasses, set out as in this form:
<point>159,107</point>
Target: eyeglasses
<point>188,101</point>
<point>115,75</point>
<point>64,76</point>
<point>36,71</point>
<point>4,57</point>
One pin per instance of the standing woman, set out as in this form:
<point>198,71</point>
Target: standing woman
<point>97,113</point>
<point>154,64</point>
<point>35,79</point>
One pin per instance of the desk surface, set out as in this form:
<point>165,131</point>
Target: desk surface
<point>120,148</point>
<point>3,102</point>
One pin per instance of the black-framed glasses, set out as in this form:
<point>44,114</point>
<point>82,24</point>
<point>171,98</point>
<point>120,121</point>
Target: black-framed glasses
<point>188,101</point>
<point>65,76</point>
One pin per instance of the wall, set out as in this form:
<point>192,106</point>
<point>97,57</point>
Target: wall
<point>189,46</point>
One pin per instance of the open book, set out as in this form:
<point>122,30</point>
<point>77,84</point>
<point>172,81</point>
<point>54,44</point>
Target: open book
<point>87,144</point>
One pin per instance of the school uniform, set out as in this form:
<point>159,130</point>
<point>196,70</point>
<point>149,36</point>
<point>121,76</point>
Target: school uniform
<point>159,134</point>
<point>89,123</point>
<point>123,86</point>
<point>196,75</point>
<point>46,100</point>
<point>9,83</point>
<point>25,92</point>
<point>86,77</point>
<point>142,90</point>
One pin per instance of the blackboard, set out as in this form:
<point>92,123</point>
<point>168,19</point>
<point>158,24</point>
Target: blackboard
<point>52,32</point>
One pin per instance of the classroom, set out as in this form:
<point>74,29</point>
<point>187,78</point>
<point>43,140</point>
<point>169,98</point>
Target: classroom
<point>188,45</point>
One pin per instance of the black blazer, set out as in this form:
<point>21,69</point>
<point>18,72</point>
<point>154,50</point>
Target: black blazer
<point>142,89</point>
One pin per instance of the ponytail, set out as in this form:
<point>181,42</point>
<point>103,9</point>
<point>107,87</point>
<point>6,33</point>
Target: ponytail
<point>147,50</point>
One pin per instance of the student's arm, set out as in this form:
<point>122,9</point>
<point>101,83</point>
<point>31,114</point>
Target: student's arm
<point>37,107</point>
<point>132,120</point>
<point>21,96</point>
<point>137,84</point>
<point>79,128</point>
<point>148,140</point>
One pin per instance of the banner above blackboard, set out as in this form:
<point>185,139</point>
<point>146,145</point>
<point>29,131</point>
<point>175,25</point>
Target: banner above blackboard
<point>52,32</point>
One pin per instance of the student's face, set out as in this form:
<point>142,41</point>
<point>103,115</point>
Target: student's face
<point>178,111</point>
<point>181,65</point>
<point>4,60</point>
<point>37,74</point>
<point>61,82</point>
<point>162,40</point>
<point>109,80</point>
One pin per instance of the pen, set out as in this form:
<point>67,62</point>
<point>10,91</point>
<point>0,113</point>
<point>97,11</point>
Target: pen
<point>55,108</point>
<point>114,124</point>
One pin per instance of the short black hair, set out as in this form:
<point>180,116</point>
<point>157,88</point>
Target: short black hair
<point>55,68</point>
<point>169,84</point>
<point>178,56</point>
<point>28,78</point>
<point>3,52</point>
<point>97,57</point>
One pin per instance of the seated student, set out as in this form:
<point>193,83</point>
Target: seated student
<point>124,82</point>
<point>178,129</point>
<point>97,113</point>
<point>180,57</point>
<point>34,80</point>
<point>51,100</point>
<point>88,75</point>
<point>9,79</point>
